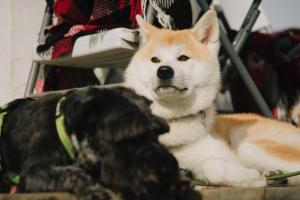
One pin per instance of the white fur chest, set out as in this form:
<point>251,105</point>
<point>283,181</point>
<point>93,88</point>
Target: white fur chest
<point>183,131</point>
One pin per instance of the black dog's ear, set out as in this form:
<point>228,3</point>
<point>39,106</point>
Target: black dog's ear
<point>75,104</point>
<point>131,94</point>
<point>136,125</point>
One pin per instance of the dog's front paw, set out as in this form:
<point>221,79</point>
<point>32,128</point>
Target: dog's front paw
<point>274,179</point>
<point>95,192</point>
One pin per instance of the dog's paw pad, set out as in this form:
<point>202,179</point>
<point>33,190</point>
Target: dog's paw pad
<point>280,182</point>
<point>273,178</point>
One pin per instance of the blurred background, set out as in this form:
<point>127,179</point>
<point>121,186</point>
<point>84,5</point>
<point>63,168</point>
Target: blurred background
<point>277,26</point>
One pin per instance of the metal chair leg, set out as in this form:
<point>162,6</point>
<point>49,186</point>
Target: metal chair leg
<point>32,79</point>
<point>239,41</point>
<point>35,66</point>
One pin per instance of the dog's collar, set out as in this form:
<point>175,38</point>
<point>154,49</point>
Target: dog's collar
<point>201,113</point>
<point>69,141</point>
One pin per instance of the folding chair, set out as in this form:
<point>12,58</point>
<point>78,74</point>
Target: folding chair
<point>232,50</point>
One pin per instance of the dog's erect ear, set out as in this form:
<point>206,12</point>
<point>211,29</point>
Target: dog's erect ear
<point>207,30</point>
<point>145,29</point>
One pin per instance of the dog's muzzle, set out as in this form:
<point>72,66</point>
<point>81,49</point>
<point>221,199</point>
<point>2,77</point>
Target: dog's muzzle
<point>166,81</point>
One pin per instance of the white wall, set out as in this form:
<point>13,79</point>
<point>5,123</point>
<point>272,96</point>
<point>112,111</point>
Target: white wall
<point>5,38</point>
<point>282,13</point>
<point>20,21</point>
<point>235,12</point>
<point>279,14</point>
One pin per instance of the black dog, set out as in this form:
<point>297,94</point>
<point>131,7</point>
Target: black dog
<point>118,147</point>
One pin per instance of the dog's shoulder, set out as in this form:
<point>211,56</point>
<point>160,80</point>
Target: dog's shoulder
<point>18,102</point>
<point>224,125</point>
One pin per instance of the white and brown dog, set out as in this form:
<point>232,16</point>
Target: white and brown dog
<point>179,71</point>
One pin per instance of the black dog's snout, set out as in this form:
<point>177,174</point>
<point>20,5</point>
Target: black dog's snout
<point>165,72</point>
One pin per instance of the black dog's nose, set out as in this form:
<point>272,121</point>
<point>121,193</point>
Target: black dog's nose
<point>165,72</point>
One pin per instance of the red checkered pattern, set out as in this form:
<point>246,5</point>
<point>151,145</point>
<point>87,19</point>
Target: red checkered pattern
<point>76,18</point>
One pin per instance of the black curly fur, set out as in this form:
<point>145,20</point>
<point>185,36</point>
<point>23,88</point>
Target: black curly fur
<point>119,145</point>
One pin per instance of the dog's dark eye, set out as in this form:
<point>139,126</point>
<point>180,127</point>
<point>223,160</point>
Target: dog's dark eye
<point>155,59</point>
<point>183,58</point>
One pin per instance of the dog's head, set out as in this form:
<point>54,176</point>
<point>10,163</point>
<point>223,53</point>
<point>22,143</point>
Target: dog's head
<point>178,65</point>
<point>112,114</point>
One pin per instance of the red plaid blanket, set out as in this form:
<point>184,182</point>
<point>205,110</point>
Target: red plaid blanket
<point>75,18</point>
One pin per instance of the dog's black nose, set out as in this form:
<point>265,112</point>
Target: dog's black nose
<point>165,72</point>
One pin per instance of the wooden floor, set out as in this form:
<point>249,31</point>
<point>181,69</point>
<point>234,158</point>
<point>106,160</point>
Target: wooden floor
<point>271,193</point>
<point>38,196</point>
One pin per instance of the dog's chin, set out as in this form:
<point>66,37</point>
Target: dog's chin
<point>167,91</point>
